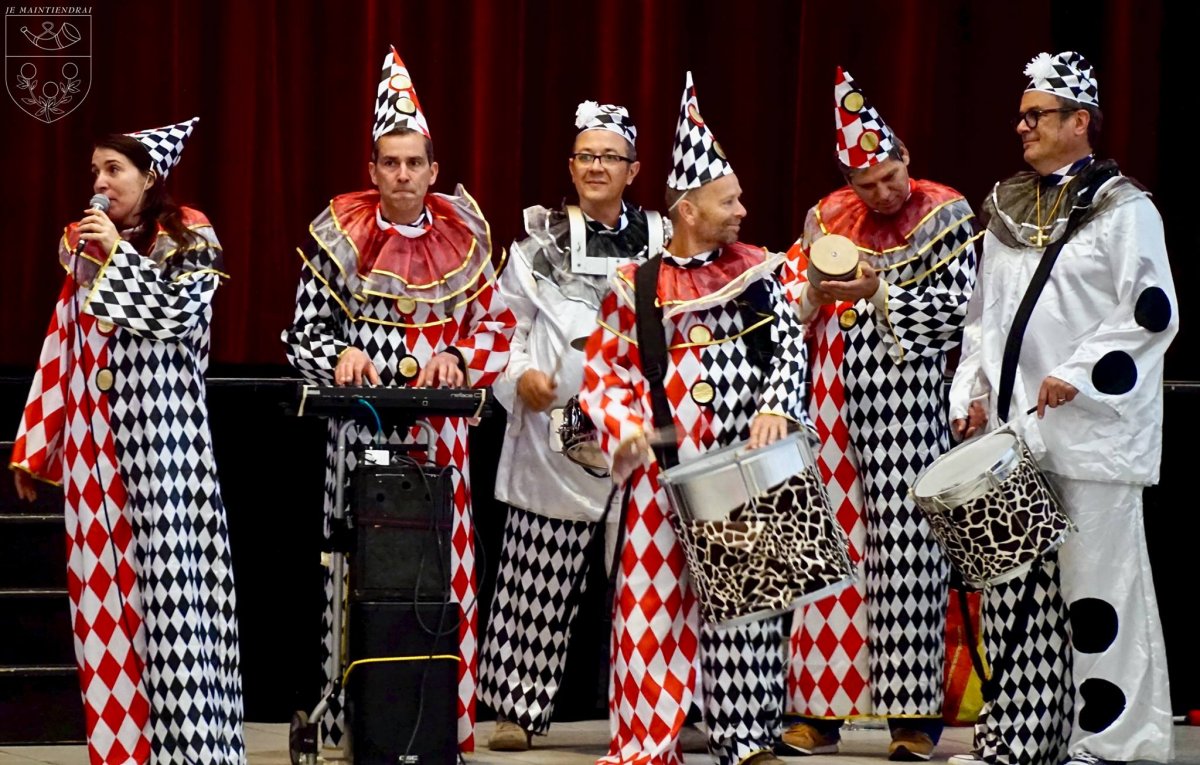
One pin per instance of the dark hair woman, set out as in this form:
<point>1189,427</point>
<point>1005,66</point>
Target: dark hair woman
<point>117,416</point>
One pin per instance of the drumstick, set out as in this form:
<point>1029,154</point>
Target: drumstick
<point>661,436</point>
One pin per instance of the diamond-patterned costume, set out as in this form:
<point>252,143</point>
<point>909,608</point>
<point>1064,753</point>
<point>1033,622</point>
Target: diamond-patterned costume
<point>877,648</point>
<point>1029,721</point>
<point>402,299</point>
<point>1102,324</point>
<point>117,414</point>
<point>657,635</point>
<point>556,505</point>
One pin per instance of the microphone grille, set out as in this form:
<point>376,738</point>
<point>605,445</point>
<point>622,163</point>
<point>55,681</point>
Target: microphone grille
<point>100,202</point>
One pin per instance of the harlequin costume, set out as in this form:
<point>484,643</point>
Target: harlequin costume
<point>117,415</point>
<point>715,385</point>
<point>877,649</point>
<point>402,294</point>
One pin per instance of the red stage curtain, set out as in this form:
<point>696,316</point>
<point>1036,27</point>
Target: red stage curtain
<point>285,93</point>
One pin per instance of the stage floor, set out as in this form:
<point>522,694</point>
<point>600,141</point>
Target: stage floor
<point>578,744</point>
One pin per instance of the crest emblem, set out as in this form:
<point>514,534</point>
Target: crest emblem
<point>48,61</point>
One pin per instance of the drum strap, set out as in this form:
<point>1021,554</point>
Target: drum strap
<point>1017,630</point>
<point>1016,333</point>
<point>652,348</point>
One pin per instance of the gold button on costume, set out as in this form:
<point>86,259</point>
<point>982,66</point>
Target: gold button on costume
<point>408,367</point>
<point>104,379</point>
<point>848,318</point>
<point>699,334</point>
<point>703,392</point>
<point>406,305</point>
<point>105,326</point>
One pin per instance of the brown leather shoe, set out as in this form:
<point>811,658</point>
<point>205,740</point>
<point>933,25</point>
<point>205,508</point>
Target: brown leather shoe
<point>762,758</point>
<point>910,746</point>
<point>509,737</point>
<point>803,739</point>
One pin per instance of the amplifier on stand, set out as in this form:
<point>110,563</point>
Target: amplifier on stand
<point>405,711</point>
<point>402,516</point>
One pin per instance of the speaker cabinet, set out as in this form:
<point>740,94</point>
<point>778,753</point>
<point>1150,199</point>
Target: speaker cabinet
<point>403,712</point>
<point>402,518</point>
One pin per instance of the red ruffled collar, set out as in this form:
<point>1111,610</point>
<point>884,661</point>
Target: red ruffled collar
<point>681,288</point>
<point>842,212</point>
<point>419,263</point>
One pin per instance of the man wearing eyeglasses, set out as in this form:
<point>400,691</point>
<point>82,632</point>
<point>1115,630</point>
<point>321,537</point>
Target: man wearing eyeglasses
<point>1090,364</point>
<point>880,341</point>
<point>554,282</point>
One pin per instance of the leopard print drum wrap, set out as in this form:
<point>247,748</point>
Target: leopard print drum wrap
<point>1002,532</point>
<point>777,552</point>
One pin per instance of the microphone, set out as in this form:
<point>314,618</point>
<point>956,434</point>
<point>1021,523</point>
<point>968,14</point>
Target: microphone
<point>101,203</point>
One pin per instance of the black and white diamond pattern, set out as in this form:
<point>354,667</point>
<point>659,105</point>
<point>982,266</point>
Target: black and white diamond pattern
<point>159,356</point>
<point>929,302</point>
<point>892,371</point>
<point>1029,723</point>
<point>742,672</point>
<point>165,144</point>
<point>735,377</point>
<point>730,369</point>
<point>697,157</point>
<point>396,104</point>
<point>592,116</point>
<point>1067,75</point>
<point>525,649</point>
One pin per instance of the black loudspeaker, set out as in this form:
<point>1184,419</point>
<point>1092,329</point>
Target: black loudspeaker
<point>390,704</point>
<point>402,517</point>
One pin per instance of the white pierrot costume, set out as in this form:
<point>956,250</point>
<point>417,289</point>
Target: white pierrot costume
<point>555,505</point>
<point>1102,324</point>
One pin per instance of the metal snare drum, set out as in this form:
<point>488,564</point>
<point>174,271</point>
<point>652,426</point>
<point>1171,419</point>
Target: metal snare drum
<point>757,530</point>
<point>573,434</point>
<point>991,509</point>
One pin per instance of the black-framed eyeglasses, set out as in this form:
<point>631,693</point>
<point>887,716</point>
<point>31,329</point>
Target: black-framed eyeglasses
<point>1031,117</point>
<point>608,160</point>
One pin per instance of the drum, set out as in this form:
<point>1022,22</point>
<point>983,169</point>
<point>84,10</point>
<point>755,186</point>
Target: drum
<point>757,530</point>
<point>833,257</point>
<point>573,434</point>
<point>991,509</point>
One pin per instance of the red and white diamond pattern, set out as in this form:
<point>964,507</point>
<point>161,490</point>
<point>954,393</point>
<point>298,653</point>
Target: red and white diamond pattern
<point>479,330</point>
<point>829,670</point>
<point>106,611</point>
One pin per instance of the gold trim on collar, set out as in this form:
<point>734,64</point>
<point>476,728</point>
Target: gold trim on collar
<point>469,283</point>
<point>619,334</point>
<point>726,293</point>
<point>928,245</point>
<point>460,304</point>
<point>338,225</point>
<point>943,261</point>
<point>930,214</point>
<point>727,338</point>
